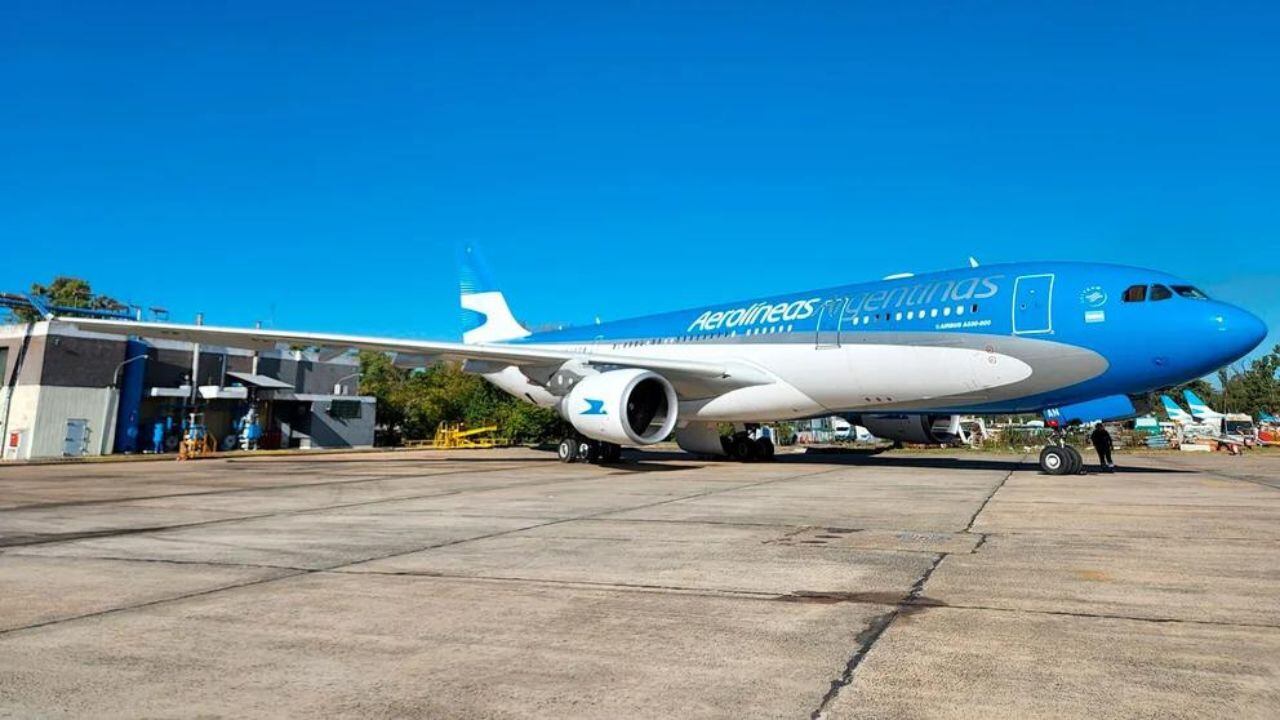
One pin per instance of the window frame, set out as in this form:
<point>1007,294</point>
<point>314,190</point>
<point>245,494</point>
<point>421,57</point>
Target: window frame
<point>1142,296</point>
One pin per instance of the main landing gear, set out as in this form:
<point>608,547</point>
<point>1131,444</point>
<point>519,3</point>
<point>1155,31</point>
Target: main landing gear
<point>580,449</point>
<point>742,447</point>
<point>1059,458</point>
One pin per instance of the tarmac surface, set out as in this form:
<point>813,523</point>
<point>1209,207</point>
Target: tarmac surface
<point>503,584</point>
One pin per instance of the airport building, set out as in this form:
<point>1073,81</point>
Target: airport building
<point>65,392</point>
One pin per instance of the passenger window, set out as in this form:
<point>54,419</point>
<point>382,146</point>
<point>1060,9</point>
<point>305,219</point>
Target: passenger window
<point>1187,291</point>
<point>1136,293</point>
<point>1160,292</point>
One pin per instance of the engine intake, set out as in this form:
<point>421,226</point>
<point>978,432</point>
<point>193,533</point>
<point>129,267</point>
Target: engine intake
<point>627,407</point>
<point>922,429</point>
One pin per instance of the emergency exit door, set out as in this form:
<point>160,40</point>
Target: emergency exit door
<point>1033,304</point>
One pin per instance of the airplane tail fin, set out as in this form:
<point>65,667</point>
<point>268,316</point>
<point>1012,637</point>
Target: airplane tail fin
<point>1171,408</point>
<point>486,317</point>
<point>1198,406</point>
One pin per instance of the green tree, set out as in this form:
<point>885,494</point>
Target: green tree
<point>1252,388</point>
<point>68,292</point>
<point>1241,389</point>
<point>413,403</point>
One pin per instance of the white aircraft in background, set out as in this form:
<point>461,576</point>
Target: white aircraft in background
<point>1199,409</point>
<point>1175,412</point>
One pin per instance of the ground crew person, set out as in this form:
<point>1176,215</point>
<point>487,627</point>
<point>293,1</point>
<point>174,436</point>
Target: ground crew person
<point>1101,440</point>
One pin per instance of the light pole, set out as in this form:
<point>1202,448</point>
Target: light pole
<point>337,387</point>
<point>115,378</point>
<point>115,383</point>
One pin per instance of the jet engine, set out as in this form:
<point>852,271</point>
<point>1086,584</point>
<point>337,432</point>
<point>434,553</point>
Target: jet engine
<point>626,407</point>
<point>923,429</point>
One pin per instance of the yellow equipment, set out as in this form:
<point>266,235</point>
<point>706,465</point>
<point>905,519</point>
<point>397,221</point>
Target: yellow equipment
<point>450,436</point>
<point>196,441</point>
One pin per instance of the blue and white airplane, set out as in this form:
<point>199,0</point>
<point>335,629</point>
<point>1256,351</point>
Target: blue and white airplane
<point>1199,409</point>
<point>1175,412</point>
<point>903,356</point>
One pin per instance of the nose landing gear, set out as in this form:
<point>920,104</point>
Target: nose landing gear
<point>1059,458</point>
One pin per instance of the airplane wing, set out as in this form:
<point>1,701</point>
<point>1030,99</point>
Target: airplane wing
<point>502,354</point>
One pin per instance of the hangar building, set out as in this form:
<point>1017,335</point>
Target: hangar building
<point>66,392</point>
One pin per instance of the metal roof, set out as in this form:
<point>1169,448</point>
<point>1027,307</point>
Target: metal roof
<point>261,381</point>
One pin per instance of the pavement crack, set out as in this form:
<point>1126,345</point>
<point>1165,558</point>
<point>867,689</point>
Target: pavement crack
<point>866,639</point>
<point>994,490</point>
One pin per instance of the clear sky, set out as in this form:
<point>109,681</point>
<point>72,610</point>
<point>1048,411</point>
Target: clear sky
<point>312,165</point>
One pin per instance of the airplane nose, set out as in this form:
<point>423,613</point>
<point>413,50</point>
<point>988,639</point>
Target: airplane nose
<point>1239,330</point>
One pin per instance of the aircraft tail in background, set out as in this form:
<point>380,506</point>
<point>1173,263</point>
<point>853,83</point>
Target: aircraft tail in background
<point>1175,413</point>
<point>1199,410</point>
<point>486,317</point>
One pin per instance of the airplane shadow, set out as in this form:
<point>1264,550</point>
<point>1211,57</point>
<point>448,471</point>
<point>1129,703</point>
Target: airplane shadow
<point>884,459</point>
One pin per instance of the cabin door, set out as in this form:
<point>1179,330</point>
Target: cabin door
<point>830,318</point>
<point>1033,304</point>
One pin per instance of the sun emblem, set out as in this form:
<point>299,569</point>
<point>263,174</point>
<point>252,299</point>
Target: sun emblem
<point>1093,296</point>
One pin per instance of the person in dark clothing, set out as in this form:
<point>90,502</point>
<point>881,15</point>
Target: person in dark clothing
<point>1101,440</point>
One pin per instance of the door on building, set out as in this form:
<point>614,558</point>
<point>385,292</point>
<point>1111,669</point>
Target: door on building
<point>77,440</point>
<point>1033,304</point>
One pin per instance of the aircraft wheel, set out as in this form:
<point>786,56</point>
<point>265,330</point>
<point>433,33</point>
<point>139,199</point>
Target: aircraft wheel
<point>1054,460</point>
<point>764,449</point>
<point>1077,461</point>
<point>568,450</point>
<point>588,450</point>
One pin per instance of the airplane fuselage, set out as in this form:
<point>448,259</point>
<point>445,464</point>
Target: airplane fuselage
<point>992,339</point>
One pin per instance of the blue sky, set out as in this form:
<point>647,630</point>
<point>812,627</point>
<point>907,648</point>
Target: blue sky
<point>313,165</point>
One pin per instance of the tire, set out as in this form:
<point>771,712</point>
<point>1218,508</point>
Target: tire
<point>1054,460</point>
<point>743,449</point>
<point>568,450</point>
<point>588,451</point>
<point>1077,461</point>
<point>764,449</point>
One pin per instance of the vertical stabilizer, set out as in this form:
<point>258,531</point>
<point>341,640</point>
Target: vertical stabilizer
<point>485,314</point>
<point>1175,413</point>
<point>1198,408</point>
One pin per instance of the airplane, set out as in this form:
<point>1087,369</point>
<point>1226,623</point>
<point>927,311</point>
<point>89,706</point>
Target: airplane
<point>1200,410</point>
<point>1175,412</point>
<point>904,356</point>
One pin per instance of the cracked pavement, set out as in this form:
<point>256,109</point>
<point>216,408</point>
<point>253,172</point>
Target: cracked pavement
<point>502,584</point>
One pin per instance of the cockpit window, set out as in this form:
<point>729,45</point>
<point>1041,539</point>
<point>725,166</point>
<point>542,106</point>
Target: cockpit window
<point>1160,292</point>
<point>1136,293</point>
<point>1187,291</point>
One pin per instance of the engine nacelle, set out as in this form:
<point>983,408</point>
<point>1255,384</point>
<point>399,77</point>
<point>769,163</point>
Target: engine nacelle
<point>627,407</point>
<point>923,429</point>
